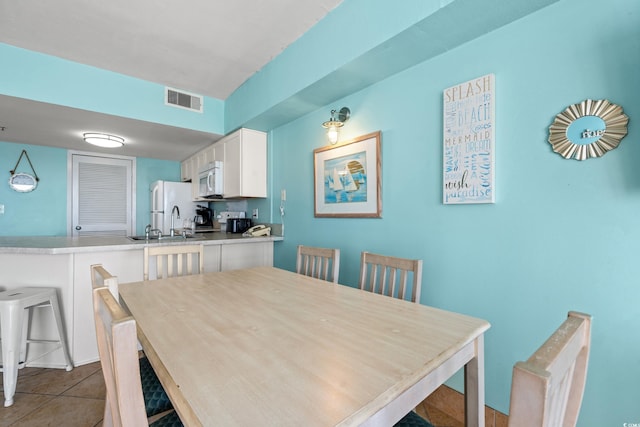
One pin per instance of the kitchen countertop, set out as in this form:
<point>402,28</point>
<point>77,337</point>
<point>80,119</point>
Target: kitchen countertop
<point>64,245</point>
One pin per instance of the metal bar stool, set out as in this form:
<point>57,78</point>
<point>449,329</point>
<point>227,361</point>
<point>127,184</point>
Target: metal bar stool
<point>13,308</point>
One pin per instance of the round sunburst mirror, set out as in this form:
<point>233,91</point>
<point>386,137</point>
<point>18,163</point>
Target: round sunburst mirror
<point>588,129</point>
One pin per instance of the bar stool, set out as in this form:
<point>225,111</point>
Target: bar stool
<point>13,307</point>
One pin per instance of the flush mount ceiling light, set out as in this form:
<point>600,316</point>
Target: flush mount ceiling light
<point>103,140</point>
<point>334,124</point>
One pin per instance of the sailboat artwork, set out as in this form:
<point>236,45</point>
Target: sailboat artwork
<point>346,179</point>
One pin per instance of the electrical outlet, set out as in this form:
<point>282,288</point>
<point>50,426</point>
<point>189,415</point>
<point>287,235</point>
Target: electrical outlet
<point>1,209</point>
<point>255,213</point>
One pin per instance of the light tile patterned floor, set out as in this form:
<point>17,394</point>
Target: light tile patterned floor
<point>55,397</point>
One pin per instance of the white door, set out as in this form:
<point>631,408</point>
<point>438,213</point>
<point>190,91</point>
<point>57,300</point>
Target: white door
<point>102,195</point>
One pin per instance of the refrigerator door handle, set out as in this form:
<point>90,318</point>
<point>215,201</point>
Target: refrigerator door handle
<point>154,197</point>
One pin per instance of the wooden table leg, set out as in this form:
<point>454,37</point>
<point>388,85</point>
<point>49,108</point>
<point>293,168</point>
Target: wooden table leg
<point>474,387</point>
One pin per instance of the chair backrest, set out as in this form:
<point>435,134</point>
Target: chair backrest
<point>100,277</point>
<point>391,276</point>
<point>118,349</point>
<point>547,389</point>
<point>321,263</point>
<point>173,258</point>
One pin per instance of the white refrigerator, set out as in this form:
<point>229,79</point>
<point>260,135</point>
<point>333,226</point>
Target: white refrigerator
<point>164,196</point>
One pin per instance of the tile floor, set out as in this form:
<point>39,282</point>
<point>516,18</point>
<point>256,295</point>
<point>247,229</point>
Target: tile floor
<point>55,397</point>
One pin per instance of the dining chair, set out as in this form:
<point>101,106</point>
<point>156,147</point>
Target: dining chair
<point>156,401</point>
<point>118,349</point>
<point>173,257</point>
<point>321,263</point>
<point>100,277</point>
<point>547,389</point>
<point>391,276</point>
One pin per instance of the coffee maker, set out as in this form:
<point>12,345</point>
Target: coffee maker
<point>203,221</point>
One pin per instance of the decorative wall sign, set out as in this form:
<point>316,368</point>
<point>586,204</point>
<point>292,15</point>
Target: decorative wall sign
<point>347,178</point>
<point>588,129</point>
<point>468,142</point>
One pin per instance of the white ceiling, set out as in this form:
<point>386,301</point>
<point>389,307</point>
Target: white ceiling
<point>207,47</point>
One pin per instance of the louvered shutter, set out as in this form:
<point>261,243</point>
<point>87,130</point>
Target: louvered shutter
<point>102,196</point>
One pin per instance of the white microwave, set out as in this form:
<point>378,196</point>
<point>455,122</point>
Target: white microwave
<point>210,181</point>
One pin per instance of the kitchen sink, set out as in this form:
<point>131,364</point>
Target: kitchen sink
<point>166,238</point>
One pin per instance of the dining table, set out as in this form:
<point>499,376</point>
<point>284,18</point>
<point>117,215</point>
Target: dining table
<point>268,347</point>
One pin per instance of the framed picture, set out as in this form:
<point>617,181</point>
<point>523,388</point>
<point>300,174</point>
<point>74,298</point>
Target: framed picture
<point>347,179</point>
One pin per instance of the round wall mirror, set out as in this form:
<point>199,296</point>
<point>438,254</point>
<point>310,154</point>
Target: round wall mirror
<point>588,129</point>
<point>22,182</point>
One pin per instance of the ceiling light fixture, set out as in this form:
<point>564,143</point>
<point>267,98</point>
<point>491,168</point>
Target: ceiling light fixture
<point>104,140</point>
<point>334,124</point>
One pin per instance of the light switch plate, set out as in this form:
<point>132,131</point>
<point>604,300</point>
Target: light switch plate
<point>1,209</point>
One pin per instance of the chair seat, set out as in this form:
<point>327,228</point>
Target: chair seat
<point>169,420</point>
<point>413,420</point>
<point>156,400</point>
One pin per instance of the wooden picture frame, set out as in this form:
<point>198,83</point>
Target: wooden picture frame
<point>347,179</point>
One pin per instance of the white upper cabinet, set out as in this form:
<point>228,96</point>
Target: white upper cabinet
<point>186,170</point>
<point>244,157</point>
<point>218,151</point>
<point>245,164</point>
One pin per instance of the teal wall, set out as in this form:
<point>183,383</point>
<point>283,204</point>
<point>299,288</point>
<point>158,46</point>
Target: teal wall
<point>562,235</point>
<point>43,212</point>
<point>45,78</point>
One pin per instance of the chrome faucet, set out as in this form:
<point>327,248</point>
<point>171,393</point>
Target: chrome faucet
<point>172,230</point>
<point>148,230</point>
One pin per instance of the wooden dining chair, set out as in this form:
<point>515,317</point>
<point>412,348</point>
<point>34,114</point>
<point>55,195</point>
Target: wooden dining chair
<point>547,389</point>
<point>391,276</point>
<point>173,257</point>
<point>156,401</point>
<point>118,349</point>
<point>321,263</point>
<point>100,277</point>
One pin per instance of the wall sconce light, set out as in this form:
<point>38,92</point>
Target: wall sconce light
<point>334,124</point>
<point>103,140</point>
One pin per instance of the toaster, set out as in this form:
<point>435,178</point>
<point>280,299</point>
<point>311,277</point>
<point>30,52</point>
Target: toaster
<point>238,225</point>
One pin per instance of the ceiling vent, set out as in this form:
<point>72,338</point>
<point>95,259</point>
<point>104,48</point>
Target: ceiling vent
<point>183,99</point>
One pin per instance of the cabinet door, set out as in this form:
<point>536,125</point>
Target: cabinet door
<point>195,180</point>
<point>246,255</point>
<point>245,163</point>
<point>190,173</point>
<point>208,154</point>
<point>253,171</point>
<point>186,170</point>
<point>232,166</point>
<point>218,151</point>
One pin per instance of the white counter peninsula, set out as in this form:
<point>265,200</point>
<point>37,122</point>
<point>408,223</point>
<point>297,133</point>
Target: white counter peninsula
<point>64,263</point>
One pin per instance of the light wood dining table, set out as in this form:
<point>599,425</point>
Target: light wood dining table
<point>268,347</point>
